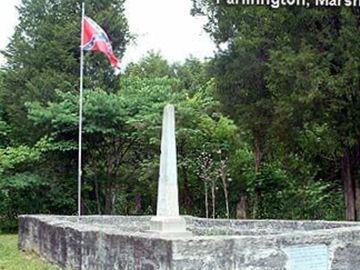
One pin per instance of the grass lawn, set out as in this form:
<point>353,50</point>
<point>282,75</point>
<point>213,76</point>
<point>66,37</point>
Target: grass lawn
<point>13,259</point>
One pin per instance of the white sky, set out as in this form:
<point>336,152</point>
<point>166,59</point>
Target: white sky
<point>8,20</point>
<point>159,25</point>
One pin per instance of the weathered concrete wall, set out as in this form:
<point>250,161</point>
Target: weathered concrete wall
<point>81,246</point>
<point>122,243</point>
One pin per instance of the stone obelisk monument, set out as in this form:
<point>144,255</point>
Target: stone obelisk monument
<point>167,220</point>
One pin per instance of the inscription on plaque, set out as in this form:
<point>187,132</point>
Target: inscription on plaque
<point>314,257</point>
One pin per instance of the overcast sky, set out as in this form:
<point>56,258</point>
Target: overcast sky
<point>160,25</point>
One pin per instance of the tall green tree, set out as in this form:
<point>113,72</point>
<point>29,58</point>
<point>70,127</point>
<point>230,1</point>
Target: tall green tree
<point>43,58</point>
<point>320,78</point>
<point>150,66</point>
<point>43,54</point>
<point>289,76</point>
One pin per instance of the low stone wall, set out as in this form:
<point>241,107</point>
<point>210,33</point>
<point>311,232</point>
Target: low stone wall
<point>119,242</point>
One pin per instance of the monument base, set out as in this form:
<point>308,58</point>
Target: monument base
<point>123,242</point>
<point>169,226</point>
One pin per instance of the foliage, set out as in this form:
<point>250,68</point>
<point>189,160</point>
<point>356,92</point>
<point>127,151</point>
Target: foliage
<point>153,65</point>
<point>288,78</point>
<point>121,138</point>
<point>27,193</point>
<point>42,60</point>
<point>43,55</point>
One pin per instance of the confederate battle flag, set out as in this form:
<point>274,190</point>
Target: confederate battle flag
<point>95,39</point>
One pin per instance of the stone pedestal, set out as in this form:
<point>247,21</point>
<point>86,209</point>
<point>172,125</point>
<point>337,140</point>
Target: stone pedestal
<point>119,242</point>
<point>169,226</point>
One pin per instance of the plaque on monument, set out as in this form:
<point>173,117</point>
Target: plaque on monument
<point>314,257</point>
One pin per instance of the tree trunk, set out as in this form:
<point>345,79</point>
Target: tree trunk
<point>241,208</point>
<point>223,177</point>
<point>258,159</point>
<point>113,201</point>
<point>226,195</point>
<point>357,200</point>
<point>349,186</point>
<point>138,206</point>
<point>109,198</point>
<point>256,203</point>
<point>258,155</point>
<point>206,200</point>
<point>185,198</point>
<point>107,209</point>
<point>97,196</point>
<point>355,175</point>
<point>213,199</point>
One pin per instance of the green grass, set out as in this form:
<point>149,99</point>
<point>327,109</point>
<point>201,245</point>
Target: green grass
<point>13,259</point>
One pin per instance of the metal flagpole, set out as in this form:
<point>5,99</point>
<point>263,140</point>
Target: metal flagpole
<point>80,106</point>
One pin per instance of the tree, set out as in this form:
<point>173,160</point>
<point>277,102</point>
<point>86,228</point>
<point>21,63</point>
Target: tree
<point>320,77</point>
<point>286,73</point>
<point>153,65</point>
<point>43,59</point>
<point>43,55</point>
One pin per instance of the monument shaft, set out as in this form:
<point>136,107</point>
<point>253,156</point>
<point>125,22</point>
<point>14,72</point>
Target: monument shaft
<point>167,219</point>
<point>168,203</point>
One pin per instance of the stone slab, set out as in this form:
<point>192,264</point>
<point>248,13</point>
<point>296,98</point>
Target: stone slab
<point>119,242</point>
